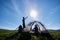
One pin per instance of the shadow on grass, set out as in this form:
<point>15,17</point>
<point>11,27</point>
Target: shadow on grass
<point>22,36</point>
<point>10,37</point>
<point>44,36</point>
<point>27,36</point>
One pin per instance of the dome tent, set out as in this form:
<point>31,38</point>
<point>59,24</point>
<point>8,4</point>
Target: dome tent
<point>41,27</point>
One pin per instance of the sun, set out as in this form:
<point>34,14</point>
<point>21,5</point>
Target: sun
<point>33,14</point>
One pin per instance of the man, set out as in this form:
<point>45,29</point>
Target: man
<point>36,29</point>
<point>20,29</point>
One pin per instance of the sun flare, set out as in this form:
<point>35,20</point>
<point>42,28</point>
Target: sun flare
<point>33,14</point>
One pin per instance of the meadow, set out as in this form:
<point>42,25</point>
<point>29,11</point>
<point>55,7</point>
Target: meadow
<point>13,35</point>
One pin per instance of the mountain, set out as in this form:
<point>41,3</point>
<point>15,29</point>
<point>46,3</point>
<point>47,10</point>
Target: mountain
<point>58,30</point>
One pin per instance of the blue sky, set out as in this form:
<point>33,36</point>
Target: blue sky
<point>12,11</point>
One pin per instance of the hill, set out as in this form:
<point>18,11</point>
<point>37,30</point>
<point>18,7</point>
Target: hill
<point>14,35</point>
<point>54,30</point>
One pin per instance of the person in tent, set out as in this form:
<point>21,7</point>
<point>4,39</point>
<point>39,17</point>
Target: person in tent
<point>20,29</point>
<point>36,29</point>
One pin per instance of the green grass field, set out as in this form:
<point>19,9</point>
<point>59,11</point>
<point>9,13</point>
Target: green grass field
<point>8,34</point>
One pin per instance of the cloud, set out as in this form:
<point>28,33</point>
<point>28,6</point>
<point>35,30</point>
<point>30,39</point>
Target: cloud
<point>16,7</point>
<point>51,25</point>
<point>54,9</point>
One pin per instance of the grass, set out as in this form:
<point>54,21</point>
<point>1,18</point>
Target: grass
<point>8,33</point>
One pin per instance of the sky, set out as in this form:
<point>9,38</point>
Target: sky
<point>12,11</point>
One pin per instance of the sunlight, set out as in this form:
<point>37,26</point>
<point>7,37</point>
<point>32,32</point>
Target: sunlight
<point>33,14</point>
